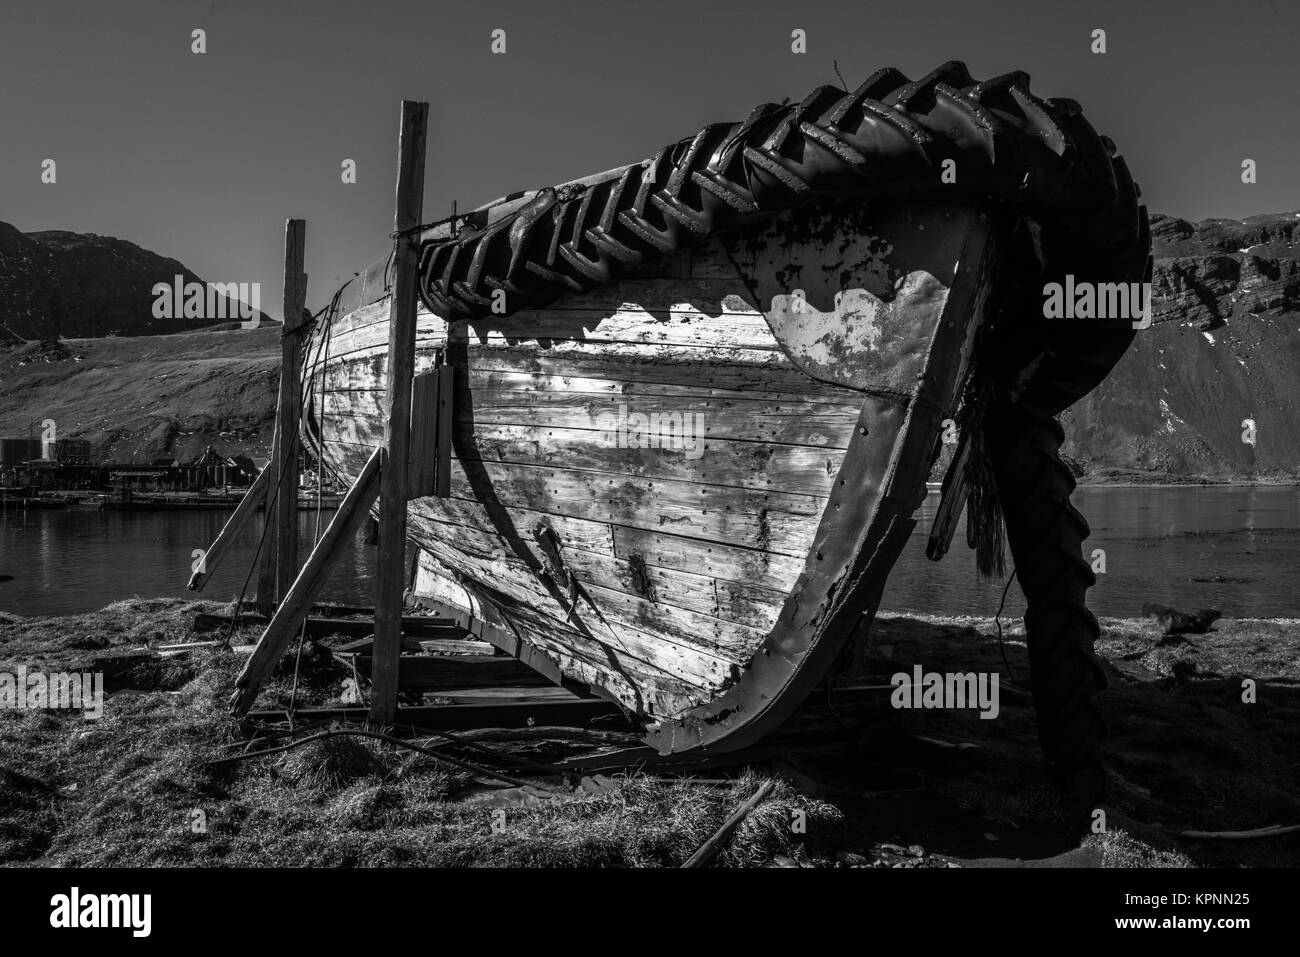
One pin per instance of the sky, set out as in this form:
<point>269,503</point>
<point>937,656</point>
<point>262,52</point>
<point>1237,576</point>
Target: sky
<point>202,157</point>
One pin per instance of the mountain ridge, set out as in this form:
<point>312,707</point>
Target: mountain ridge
<point>58,283</point>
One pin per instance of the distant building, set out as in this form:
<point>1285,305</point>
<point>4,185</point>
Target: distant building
<point>212,469</point>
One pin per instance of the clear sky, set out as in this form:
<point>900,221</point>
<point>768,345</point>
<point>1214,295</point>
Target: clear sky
<point>202,157</point>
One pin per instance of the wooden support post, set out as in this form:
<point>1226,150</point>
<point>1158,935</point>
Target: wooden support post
<point>265,603</point>
<point>254,497</point>
<point>956,489</point>
<point>397,431</point>
<point>286,511</point>
<point>280,547</point>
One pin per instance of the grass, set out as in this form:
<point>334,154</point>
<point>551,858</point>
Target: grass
<point>129,788</point>
<point>136,787</point>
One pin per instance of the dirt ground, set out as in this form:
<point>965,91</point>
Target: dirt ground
<point>922,789</point>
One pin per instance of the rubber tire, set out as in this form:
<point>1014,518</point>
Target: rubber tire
<point>1045,534</point>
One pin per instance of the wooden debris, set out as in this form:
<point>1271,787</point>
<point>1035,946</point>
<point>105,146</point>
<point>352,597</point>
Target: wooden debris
<point>470,714</point>
<point>710,848</point>
<point>1274,831</point>
<point>412,627</point>
<point>465,672</point>
<point>248,505</point>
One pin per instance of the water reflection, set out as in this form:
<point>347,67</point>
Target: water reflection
<point>78,560</point>
<point>1233,548</point>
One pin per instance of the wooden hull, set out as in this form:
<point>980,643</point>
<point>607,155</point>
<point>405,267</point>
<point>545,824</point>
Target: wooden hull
<point>685,488</point>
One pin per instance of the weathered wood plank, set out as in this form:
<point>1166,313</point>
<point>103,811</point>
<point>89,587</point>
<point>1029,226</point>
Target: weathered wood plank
<point>591,559</point>
<point>776,521</point>
<point>639,372</point>
<point>522,630</point>
<point>391,565</point>
<point>248,505</point>
<point>576,533</point>
<point>700,654</point>
<point>662,362</point>
<point>734,640</point>
<point>638,686</point>
<point>266,579</point>
<point>285,456</point>
<point>682,324</point>
<point>810,424</point>
<point>723,562</point>
<point>690,457</point>
<point>485,375</point>
<point>466,671</point>
<point>659,552</point>
<point>691,615</point>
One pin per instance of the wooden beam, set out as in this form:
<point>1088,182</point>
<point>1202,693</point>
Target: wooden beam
<point>431,423</point>
<point>442,450</point>
<point>290,406</point>
<point>415,629</point>
<point>265,603</point>
<point>255,496</point>
<point>466,671</point>
<point>956,489</point>
<point>297,602</point>
<point>453,717</point>
<point>422,480</point>
<point>710,848</point>
<point>397,431</point>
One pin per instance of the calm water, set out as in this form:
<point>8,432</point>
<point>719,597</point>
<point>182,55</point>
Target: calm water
<point>75,560</point>
<point>1157,542</point>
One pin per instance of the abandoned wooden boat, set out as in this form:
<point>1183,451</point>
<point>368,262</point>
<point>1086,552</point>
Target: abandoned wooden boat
<point>687,408</point>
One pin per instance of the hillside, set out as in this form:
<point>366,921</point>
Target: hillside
<point>61,284</point>
<point>144,397</point>
<point>1225,347</point>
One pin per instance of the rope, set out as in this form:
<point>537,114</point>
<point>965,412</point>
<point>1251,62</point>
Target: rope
<point>451,220</point>
<point>321,361</point>
<point>997,620</point>
<point>518,759</point>
<point>275,493</point>
<point>271,499</point>
<point>389,739</point>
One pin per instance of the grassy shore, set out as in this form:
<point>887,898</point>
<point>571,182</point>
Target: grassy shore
<point>132,787</point>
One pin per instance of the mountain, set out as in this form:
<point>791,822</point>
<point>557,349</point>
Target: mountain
<point>62,284</point>
<point>1224,348</point>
